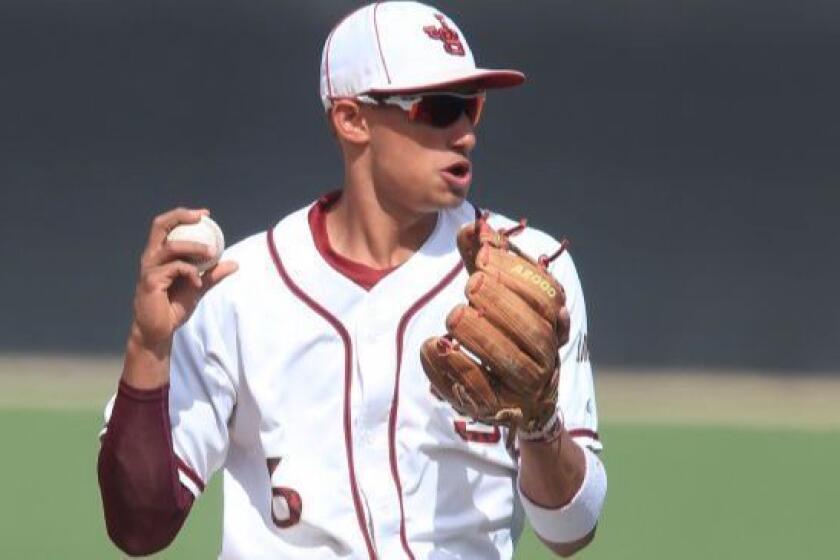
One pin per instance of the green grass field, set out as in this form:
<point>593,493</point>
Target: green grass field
<point>676,492</point>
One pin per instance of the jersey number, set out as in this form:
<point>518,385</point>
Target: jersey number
<point>286,505</point>
<point>477,433</point>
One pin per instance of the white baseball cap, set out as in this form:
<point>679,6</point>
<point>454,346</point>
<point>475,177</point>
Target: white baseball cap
<point>401,47</point>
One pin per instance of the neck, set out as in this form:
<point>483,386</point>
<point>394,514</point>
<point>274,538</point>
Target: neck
<point>369,229</point>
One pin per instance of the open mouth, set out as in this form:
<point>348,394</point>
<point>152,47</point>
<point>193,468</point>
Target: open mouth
<point>460,169</point>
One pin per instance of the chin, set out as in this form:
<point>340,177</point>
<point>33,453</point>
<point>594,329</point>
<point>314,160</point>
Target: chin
<point>456,201</point>
<point>452,198</point>
<point>444,202</point>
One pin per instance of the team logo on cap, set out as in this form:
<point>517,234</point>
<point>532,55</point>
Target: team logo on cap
<point>451,41</point>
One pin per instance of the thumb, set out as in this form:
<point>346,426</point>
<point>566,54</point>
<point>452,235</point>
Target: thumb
<point>216,274</point>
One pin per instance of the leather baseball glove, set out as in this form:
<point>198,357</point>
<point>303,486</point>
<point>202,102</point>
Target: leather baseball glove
<point>499,362</point>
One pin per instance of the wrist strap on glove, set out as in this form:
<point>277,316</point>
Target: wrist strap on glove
<point>549,432</point>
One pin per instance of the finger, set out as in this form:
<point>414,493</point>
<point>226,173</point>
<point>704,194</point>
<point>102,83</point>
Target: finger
<point>458,379</point>
<point>512,315</point>
<point>162,277</point>
<point>216,274</point>
<point>166,222</point>
<point>509,364</point>
<point>530,281</point>
<point>170,250</point>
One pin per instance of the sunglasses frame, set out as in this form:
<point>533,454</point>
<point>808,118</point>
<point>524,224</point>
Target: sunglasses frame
<point>411,103</point>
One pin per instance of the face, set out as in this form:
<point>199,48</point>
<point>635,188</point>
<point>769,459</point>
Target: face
<point>416,165</point>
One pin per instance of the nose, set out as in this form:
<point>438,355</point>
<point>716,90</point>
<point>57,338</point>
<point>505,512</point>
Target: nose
<point>463,137</point>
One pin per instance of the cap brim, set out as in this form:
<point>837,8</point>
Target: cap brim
<point>479,79</point>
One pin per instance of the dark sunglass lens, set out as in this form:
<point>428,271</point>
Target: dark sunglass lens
<point>473,109</point>
<point>443,110</point>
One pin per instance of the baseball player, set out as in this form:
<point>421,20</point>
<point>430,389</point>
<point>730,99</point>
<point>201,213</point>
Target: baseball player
<point>390,372</point>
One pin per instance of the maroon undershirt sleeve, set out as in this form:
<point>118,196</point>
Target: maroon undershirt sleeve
<point>145,504</point>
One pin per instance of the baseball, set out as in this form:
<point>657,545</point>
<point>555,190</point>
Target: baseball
<point>205,231</point>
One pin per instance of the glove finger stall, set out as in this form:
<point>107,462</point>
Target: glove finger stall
<point>509,365</point>
<point>448,368</point>
<point>527,279</point>
<point>468,245</point>
<point>508,312</point>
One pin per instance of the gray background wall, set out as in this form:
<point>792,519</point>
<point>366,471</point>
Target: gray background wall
<point>689,149</point>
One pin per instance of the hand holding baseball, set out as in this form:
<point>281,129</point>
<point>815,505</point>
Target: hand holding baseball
<point>178,266</point>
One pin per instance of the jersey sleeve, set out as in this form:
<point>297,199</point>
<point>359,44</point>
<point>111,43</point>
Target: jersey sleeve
<point>203,386</point>
<point>576,400</point>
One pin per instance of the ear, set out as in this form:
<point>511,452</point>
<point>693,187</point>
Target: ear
<point>349,122</point>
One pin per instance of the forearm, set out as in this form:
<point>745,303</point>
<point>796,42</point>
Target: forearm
<point>551,471</point>
<point>562,488</point>
<point>146,365</point>
<point>143,500</point>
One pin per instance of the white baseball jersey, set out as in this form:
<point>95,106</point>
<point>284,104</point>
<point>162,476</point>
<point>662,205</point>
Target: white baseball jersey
<point>307,391</point>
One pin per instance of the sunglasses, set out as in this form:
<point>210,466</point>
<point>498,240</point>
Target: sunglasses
<point>439,110</point>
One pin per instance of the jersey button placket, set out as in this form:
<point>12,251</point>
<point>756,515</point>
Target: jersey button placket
<point>376,374</point>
